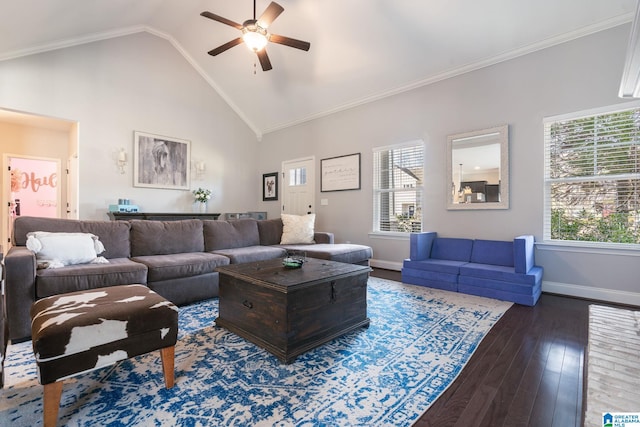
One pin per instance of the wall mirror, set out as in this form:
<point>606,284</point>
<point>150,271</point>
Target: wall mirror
<point>478,169</point>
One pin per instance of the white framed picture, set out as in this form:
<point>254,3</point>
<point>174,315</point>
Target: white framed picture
<point>161,161</point>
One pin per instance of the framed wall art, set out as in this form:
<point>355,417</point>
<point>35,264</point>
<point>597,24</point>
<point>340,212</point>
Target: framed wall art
<point>270,186</point>
<point>161,161</point>
<point>340,173</point>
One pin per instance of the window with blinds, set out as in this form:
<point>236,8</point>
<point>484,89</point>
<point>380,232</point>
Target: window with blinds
<point>592,178</point>
<point>398,171</point>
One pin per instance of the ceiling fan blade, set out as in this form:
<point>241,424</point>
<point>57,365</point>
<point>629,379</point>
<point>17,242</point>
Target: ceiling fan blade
<point>264,60</point>
<point>221,19</point>
<point>225,46</point>
<point>270,14</point>
<point>287,41</point>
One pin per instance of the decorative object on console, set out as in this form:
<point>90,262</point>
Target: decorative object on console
<point>297,229</point>
<point>202,197</point>
<point>161,161</point>
<point>255,35</point>
<point>270,186</point>
<point>340,173</point>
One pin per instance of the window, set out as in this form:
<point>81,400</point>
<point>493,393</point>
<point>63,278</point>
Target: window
<point>297,176</point>
<point>592,177</point>
<point>397,187</point>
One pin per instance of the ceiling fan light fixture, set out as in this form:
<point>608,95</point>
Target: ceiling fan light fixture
<point>254,36</point>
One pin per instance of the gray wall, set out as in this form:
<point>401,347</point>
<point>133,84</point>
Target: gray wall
<point>574,76</point>
<point>139,82</point>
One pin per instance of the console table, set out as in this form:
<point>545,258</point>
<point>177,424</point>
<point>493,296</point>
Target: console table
<point>168,216</point>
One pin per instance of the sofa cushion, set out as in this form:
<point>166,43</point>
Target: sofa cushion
<point>166,237</point>
<point>501,273</point>
<point>82,277</point>
<point>447,282</point>
<point>518,293</point>
<point>435,265</point>
<point>230,234</point>
<point>270,231</point>
<point>252,253</point>
<point>492,252</point>
<point>344,252</point>
<point>297,229</point>
<point>453,249</point>
<point>174,266</point>
<point>114,235</point>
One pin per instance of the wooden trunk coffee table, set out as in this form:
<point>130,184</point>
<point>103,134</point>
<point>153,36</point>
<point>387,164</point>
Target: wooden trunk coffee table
<point>290,311</point>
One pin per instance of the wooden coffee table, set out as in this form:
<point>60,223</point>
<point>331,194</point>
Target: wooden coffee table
<point>290,311</point>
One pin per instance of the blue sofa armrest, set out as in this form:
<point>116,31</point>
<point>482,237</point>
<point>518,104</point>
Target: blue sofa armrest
<point>420,245</point>
<point>523,253</point>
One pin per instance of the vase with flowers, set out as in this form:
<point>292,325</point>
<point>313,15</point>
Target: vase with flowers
<point>202,196</point>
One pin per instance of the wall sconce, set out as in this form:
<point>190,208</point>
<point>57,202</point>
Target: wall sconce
<point>122,160</point>
<point>200,168</point>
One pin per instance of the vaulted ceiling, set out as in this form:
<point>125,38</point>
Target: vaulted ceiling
<point>361,50</point>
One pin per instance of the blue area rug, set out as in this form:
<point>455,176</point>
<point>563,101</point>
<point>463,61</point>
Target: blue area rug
<point>387,375</point>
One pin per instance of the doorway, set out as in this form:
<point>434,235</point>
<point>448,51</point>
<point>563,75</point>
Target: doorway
<point>298,189</point>
<point>28,140</point>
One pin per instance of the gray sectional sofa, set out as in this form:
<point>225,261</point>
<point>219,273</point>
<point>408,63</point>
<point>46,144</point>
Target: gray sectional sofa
<point>176,259</point>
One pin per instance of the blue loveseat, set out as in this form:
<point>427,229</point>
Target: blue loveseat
<point>503,270</point>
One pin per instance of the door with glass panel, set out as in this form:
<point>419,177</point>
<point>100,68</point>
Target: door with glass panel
<point>298,186</point>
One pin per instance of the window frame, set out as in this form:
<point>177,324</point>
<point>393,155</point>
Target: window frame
<point>591,246</point>
<point>418,190</point>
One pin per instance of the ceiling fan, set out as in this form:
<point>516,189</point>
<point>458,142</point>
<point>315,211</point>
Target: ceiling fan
<point>255,35</point>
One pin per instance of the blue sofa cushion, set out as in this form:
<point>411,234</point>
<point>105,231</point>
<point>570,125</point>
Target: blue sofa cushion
<point>448,248</point>
<point>520,294</point>
<point>501,273</point>
<point>492,252</point>
<point>417,277</point>
<point>430,275</point>
<point>523,253</point>
<point>435,265</point>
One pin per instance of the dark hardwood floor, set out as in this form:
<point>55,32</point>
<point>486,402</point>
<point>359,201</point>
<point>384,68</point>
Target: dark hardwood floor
<point>528,371</point>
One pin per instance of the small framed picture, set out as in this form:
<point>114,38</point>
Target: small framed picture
<point>270,186</point>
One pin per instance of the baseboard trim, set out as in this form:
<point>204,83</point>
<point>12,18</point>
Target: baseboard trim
<point>387,265</point>
<point>588,292</point>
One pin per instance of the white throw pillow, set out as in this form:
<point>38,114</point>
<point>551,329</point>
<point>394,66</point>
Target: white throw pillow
<point>60,249</point>
<point>297,229</point>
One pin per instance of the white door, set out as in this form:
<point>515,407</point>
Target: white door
<point>298,186</point>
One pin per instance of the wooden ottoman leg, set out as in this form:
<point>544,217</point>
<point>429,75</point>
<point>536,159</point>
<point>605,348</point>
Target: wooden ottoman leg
<point>167,356</point>
<point>52,394</point>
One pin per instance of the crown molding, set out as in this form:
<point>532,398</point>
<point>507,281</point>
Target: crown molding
<point>543,44</point>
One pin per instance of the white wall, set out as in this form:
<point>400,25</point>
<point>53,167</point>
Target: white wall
<point>138,82</point>
<point>578,75</point>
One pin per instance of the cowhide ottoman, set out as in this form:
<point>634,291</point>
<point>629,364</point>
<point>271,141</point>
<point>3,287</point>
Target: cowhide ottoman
<point>81,331</point>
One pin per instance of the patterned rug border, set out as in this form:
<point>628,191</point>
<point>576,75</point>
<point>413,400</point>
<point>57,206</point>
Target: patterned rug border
<point>419,341</point>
